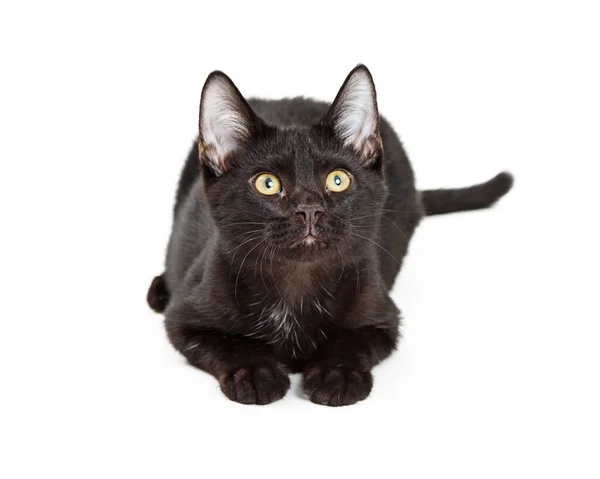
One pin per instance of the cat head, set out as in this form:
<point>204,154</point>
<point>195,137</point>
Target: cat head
<point>312,188</point>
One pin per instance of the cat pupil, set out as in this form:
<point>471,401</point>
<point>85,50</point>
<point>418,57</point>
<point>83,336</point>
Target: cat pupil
<point>269,183</point>
<point>337,180</point>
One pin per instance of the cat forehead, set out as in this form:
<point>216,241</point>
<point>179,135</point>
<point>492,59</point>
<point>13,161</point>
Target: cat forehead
<point>299,163</point>
<point>297,138</point>
<point>291,145</point>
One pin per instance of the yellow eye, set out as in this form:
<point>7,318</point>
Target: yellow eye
<point>337,180</point>
<point>267,184</point>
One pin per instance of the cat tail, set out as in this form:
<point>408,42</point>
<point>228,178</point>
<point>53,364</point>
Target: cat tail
<point>158,295</point>
<point>483,195</point>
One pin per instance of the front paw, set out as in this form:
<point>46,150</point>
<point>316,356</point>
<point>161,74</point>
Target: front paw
<point>336,386</point>
<point>255,384</point>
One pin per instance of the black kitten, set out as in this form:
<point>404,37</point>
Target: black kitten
<point>291,222</point>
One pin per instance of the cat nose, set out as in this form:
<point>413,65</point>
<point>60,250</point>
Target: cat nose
<point>310,214</point>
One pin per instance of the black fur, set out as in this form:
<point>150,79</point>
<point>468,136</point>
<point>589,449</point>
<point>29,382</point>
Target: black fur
<point>248,301</point>
<point>437,202</point>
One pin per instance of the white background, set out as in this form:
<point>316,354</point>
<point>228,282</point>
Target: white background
<point>497,374</point>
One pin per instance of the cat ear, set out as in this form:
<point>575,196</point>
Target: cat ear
<point>354,116</point>
<point>226,122</point>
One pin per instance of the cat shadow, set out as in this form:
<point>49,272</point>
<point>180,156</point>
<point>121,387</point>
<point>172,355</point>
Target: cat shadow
<point>296,386</point>
<point>295,378</point>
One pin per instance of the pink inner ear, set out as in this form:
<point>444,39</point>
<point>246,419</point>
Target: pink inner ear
<point>356,119</point>
<point>223,119</point>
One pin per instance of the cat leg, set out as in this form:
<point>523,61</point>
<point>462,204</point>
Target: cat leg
<point>158,294</point>
<point>339,373</point>
<point>246,369</point>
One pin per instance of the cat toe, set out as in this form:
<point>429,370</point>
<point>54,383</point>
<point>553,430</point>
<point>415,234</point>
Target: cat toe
<point>262,384</point>
<point>336,386</point>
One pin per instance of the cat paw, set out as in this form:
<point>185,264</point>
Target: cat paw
<point>255,384</point>
<point>336,386</point>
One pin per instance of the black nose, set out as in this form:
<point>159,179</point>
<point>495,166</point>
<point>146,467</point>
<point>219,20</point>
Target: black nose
<point>310,214</point>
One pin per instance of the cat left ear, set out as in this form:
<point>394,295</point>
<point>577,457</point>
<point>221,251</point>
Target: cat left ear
<point>226,122</point>
<point>354,116</point>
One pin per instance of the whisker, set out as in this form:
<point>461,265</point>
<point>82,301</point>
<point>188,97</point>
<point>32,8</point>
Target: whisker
<point>378,245</point>
<point>243,234</point>
<point>273,254</point>
<point>376,236</point>
<point>237,248</point>
<point>242,244</point>
<point>343,262</point>
<point>397,227</point>
<point>262,258</point>
<point>241,265</point>
<point>243,223</point>
<point>327,291</point>
<point>383,210</point>
<point>366,216</point>
<point>371,226</point>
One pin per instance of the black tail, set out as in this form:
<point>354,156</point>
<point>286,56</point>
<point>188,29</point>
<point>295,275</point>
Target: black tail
<point>158,295</point>
<point>437,202</point>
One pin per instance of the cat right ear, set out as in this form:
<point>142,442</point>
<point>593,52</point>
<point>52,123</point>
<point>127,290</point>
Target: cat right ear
<point>226,122</point>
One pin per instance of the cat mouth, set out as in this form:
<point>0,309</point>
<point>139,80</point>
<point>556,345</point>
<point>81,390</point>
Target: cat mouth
<point>310,240</point>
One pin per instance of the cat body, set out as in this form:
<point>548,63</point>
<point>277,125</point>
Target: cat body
<point>291,222</point>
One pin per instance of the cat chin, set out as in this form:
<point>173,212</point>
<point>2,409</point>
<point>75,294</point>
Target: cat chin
<point>307,249</point>
<point>309,241</point>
